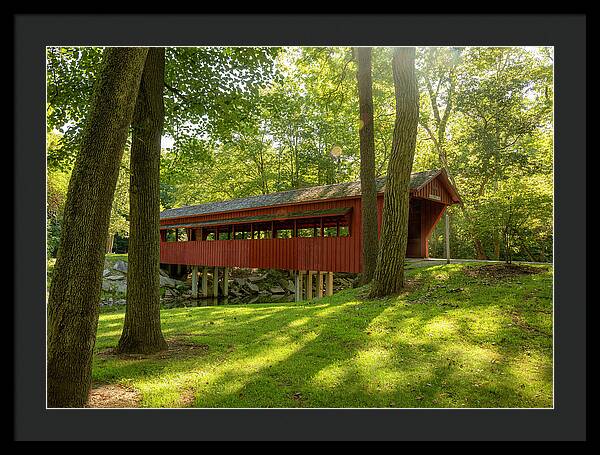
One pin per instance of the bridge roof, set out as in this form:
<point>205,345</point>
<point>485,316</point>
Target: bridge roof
<point>313,193</point>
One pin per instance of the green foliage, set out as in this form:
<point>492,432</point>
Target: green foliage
<point>209,91</point>
<point>119,215</point>
<point>57,184</point>
<point>249,121</point>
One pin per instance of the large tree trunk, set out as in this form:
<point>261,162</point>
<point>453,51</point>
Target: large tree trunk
<point>141,331</point>
<point>389,273</point>
<point>367,165</point>
<point>74,296</point>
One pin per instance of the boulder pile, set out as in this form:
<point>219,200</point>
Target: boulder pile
<point>245,286</point>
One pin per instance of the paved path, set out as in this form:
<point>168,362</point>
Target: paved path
<point>428,262</point>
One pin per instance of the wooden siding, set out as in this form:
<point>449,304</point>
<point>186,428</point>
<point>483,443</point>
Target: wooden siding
<point>335,254</point>
<point>435,191</point>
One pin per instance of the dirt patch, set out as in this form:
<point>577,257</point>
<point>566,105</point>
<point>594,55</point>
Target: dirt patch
<point>113,396</point>
<point>176,348</point>
<point>518,321</point>
<point>501,270</point>
<point>187,398</point>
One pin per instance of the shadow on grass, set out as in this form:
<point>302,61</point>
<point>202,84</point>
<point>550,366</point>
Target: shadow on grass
<point>436,347</point>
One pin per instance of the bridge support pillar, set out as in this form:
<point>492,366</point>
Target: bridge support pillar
<point>205,282</point>
<point>195,280</point>
<point>216,282</point>
<point>299,278</point>
<point>226,282</point>
<point>329,283</point>
<point>309,285</point>
<point>320,284</point>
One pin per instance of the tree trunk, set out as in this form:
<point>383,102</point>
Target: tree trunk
<point>109,242</point>
<point>74,296</point>
<point>141,330</point>
<point>389,272</point>
<point>367,165</point>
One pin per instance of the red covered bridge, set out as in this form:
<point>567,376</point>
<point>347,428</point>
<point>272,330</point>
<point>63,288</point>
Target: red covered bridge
<point>308,229</point>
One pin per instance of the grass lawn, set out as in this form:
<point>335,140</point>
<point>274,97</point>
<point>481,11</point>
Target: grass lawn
<point>456,338</point>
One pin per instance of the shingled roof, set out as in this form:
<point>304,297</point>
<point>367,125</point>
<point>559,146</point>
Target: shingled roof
<point>313,193</point>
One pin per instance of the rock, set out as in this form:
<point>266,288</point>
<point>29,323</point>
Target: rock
<point>254,279</point>
<point>114,286</point>
<point>277,290</point>
<point>121,266</point>
<point>169,282</point>
<point>115,277</point>
<point>252,287</point>
<point>106,272</point>
<point>121,287</point>
<point>170,293</point>
<point>290,286</point>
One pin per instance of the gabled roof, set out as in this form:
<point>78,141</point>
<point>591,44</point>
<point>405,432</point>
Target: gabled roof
<point>313,193</point>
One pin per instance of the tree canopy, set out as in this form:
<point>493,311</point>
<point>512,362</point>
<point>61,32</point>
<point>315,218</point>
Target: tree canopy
<point>251,120</point>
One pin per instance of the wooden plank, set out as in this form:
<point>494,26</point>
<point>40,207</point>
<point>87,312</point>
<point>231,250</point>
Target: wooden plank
<point>309,285</point>
<point>329,283</point>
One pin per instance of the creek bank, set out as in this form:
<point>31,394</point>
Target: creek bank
<point>245,286</point>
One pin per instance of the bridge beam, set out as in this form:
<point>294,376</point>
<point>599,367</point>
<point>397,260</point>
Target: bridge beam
<point>309,285</point>
<point>195,280</point>
<point>205,282</point>
<point>320,284</point>
<point>329,283</point>
<point>216,282</point>
<point>226,281</point>
<point>299,278</point>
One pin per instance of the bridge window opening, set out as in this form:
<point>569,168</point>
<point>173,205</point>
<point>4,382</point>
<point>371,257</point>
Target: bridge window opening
<point>284,234</point>
<point>322,226</point>
<point>171,235</point>
<point>182,235</point>
<point>306,232</point>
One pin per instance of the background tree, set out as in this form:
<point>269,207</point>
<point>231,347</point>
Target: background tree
<point>74,295</point>
<point>141,330</point>
<point>367,165</point>
<point>389,273</point>
<point>119,214</point>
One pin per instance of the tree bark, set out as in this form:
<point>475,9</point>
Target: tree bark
<point>141,331</point>
<point>74,296</point>
<point>367,165</point>
<point>389,272</point>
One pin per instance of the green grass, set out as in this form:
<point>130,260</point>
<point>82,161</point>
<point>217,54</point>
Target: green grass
<point>452,341</point>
